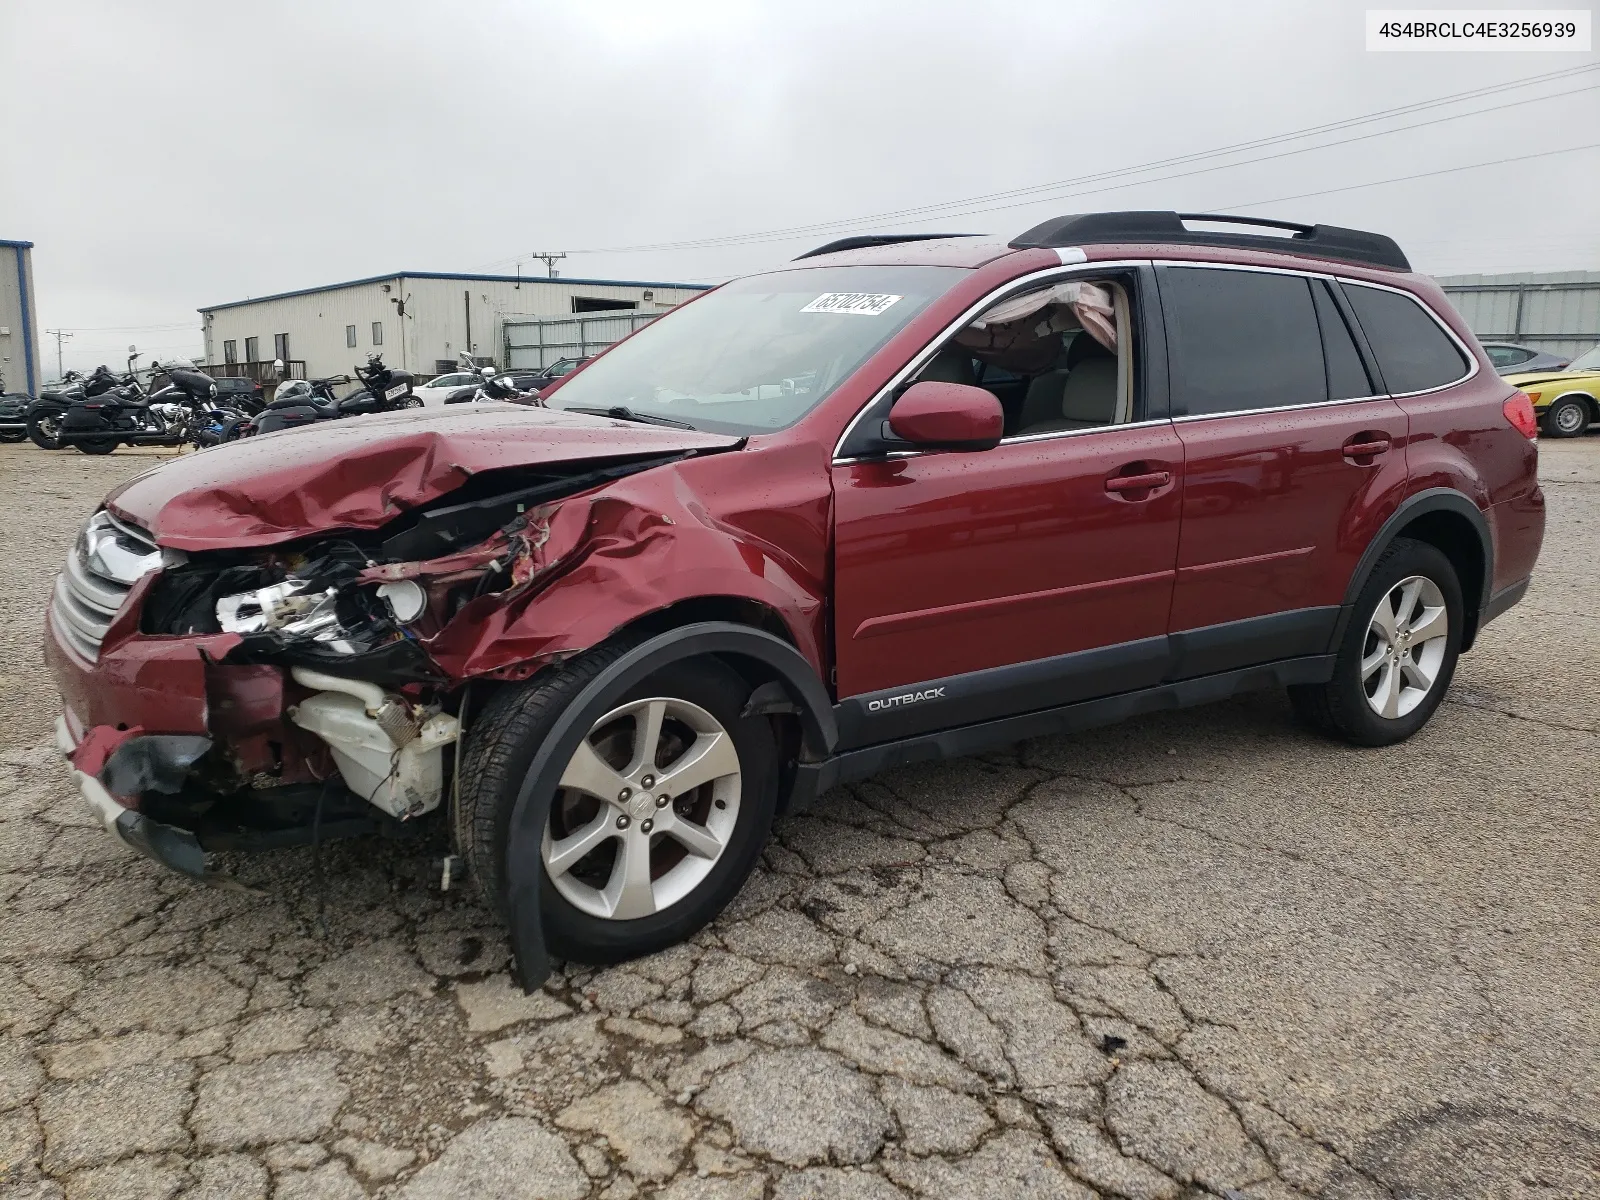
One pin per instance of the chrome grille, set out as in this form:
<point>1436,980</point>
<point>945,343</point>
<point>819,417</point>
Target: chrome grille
<point>108,558</point>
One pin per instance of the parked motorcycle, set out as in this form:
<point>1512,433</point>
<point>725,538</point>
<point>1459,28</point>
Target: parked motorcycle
<point>490,386</point>
<point>13,414</point>
<point>109,411</point>
<point>45,413</point>
<point>302,402</point>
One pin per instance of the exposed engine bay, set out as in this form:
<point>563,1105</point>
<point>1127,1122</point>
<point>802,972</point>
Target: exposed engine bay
<point>331,671</point>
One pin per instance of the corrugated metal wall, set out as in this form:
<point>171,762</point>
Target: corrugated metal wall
<point>1558,312</point>
<point>21,364</point>
<point>438,314</point>
<point>534,343</point>
<point>442,308</point>
<point>316,324</point>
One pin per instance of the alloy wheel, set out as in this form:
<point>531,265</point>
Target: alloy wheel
<point>644,809</point>
<point>1405,647</point>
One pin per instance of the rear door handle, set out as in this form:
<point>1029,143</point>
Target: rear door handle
<point>1138,483</point>
<point>1366,447</point>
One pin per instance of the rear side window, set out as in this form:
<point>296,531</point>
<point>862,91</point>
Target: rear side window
<point>1241,340</point>
<point>1413,353</point>
<point>1347,377</point>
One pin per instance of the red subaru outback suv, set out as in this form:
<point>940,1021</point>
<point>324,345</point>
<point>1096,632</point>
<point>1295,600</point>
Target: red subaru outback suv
<point>900,499</point>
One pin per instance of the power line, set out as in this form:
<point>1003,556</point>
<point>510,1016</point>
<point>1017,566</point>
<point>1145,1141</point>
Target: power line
<point>131,328</point>
<point>1499,162</point>
<point>953,208</point>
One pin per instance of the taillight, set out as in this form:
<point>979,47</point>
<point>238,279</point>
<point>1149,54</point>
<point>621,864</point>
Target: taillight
<point>1519,411</point>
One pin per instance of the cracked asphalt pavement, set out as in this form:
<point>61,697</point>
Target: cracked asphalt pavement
<point>1200,954</point>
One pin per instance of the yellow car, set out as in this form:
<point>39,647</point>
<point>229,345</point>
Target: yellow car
<point>1566,401</point>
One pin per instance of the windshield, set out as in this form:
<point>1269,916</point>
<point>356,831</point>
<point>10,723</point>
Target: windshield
<point>1587,361</point>
<point>759,353</point>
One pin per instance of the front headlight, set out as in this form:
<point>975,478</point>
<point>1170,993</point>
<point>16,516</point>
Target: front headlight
<point>116,552</point>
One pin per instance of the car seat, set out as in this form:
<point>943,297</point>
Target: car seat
<point>1082,395</point>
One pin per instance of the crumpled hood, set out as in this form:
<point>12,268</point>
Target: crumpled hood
<point>361,472</point>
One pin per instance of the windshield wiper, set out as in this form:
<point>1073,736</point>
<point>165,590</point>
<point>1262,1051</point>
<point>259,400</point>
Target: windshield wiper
<point>623,413</point>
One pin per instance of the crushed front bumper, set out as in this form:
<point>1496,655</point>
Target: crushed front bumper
<point>177,849</point>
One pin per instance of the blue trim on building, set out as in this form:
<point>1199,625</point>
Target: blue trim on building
<point>18,249</point>
<point>692,287</point>
<point>18,245</point>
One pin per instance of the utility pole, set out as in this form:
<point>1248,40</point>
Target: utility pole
<point>549,260</point>
<point>60,336</point>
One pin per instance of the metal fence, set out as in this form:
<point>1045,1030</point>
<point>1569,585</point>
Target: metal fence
<point>535,342</point>
<point>264,373</point>
<point>1559,312</point>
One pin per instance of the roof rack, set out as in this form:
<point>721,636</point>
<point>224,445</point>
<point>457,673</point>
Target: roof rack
<point>1167,228</point>
<point>863,240</point>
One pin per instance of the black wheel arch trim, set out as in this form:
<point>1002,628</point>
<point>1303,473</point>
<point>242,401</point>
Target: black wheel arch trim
<point>1439,499</point>
<point>528,817</point>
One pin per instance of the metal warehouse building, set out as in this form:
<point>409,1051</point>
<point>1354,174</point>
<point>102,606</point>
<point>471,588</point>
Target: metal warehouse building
<point>420,321</point>
<point>19,331</point>
<point>1555,311</point>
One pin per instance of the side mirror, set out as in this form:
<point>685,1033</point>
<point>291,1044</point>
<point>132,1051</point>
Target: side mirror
<point>947,416</point>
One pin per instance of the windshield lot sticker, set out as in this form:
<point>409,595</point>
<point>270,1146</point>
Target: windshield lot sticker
<point>860,304</point>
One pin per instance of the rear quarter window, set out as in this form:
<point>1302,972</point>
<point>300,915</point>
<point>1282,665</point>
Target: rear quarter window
<point>1413,352</point>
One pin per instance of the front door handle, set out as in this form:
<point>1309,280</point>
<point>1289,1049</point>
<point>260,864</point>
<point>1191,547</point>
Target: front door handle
<point>1139,483</point>
<point>1366,446</point>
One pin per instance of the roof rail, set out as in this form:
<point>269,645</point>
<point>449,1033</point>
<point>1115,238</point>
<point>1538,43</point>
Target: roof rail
<point>1167,228</point>
<point>862,240</point>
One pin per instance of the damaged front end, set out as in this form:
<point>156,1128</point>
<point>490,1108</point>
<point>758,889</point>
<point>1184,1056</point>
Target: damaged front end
<point>247,699</point>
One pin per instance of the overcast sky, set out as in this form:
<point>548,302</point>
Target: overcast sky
<point>167,154</point>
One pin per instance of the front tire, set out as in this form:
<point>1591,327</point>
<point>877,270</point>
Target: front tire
<point>1566,418</point>
<point>1398,653</point>
<point>97,446</point>
<point>625,872</point>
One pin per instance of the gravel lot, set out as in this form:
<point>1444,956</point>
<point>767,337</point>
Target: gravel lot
<point>1198,954</point>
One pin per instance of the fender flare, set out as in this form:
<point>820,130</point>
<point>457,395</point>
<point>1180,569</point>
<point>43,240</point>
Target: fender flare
<point>1438,499</point>
<point>538,789</point>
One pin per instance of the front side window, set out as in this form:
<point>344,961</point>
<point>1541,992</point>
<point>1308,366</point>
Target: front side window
<point>1413,353</point>
<point>1059,358</point>
<point>759,353</point>
<point>230,352</point>
<point>1241,340</point>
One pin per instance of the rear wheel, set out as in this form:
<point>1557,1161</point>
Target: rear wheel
<point>44,427</point>
<point>97,445</point>
<point>13,435</point>
<point>658,817</point>
<point>1398,653</point>
<point>1567,417</point>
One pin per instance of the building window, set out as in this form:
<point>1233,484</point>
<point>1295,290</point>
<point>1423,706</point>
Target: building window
<point>596,304</point>
<point>350,335</point>
<point>280,346</point>
<point>377,333</point>
<point>252,349</point>
<point>230,352</point>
